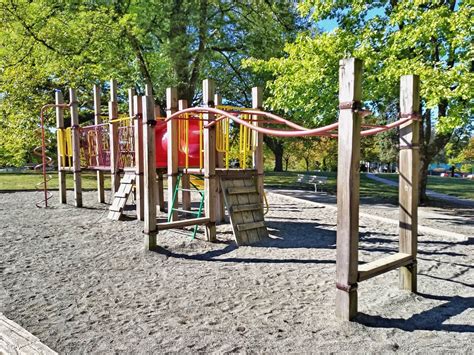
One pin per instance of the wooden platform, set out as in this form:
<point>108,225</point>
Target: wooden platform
<point>16,340</point>
<point>245,208</point>
<point>121,196</point>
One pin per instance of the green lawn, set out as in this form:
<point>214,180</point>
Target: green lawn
<point>28,181</point>
<point>446,185</point>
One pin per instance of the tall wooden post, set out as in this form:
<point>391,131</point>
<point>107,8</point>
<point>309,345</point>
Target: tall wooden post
<point>114,144</point>
<point>408,177</point>
<point>61,161</point>
<point>257,101</point>
<point>149,167</point>
<point>350,78</point>
<point>220,163</point>
<point>138,137</point>
<point>210,183</point>
<point>76,150</point>
<point>172,133</point>
<point>97,121</point>
<point>186,195</point>
<point>131,106</point>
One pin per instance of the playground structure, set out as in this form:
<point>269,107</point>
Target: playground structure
<point>196,144</point>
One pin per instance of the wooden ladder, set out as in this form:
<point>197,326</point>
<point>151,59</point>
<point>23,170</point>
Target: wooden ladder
<point>121,196</point>
<point>244,205</point>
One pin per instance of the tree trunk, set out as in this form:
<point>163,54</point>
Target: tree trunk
<point>306,160</point>
<point>276,146</point>
<point>287,161</point>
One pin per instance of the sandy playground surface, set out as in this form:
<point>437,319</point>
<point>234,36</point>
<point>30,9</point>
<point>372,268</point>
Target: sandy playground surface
<point>82,283</point>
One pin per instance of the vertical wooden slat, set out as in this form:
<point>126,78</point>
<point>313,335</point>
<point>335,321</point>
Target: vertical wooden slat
<point>210,185</point>
<point>114,144</point>
<point>186,195</point>
<point>149,167</point>
<point>98,120</point>
<point>350,75</point>
<point>220,163</point>
<point>76,153</point>
<point>257,100</point>
<point>172,134</point>
<point>408,178</point>
<point>138,136</point>
<point>60,126</point>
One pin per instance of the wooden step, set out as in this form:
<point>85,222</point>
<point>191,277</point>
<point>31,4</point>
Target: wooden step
<point>242,190</point>
<point>380,266</point>
<point>248,226</point>
<point>246,207</point>
<point>183,223</point>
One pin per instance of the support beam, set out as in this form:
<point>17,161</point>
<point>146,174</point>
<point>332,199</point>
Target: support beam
<point>220,163</point>
<point>114,144</point>
<point>408,178</point>
<point>350,77</point>
<point>257,101</point>
<point>210,182</point>
<point>172,134</point>
<point>138,137</point>
<point>186,195</point>
<point>61,160</point>
<point>98,120</point>
<point>76,150</point>
<point>149,166</point>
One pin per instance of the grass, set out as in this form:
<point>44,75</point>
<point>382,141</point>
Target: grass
<point>446,185</point>
<point>26,181</point>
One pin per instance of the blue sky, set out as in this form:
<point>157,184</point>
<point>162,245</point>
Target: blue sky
<point>329,25</point>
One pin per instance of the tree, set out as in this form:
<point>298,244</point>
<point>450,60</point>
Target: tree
<point>430,38</point>
<point>48,45</point>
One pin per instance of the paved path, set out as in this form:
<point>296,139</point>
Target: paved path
<point>16,340</point>
<point>430,193</point>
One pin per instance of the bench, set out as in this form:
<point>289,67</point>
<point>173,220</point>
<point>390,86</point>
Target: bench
<point>312,180</point>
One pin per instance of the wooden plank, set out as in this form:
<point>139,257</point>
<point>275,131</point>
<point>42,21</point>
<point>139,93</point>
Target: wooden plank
<point>246,207</point>
<point>246,216</point>
<point>138,139</point>
<point>350,79</point>
<point>182,223</point>
<point>220,164</point>
<point>172,134</point>
<point>235,218</point>
<point>258,214</point>
<point>149,168</point>
<point>383,265</point>
<point>76,154</point>
<point>409,163</point>
<point>257,157</point>
<point>60,126</point>
<point>210,180</point>
<point>249,226</point>
<point>113,135</point>
<point>241,190</point>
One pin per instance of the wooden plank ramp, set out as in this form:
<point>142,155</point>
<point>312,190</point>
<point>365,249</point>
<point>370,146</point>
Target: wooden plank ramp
<point>121,196</point>
<point>16,340</point>
<point>243,203</point>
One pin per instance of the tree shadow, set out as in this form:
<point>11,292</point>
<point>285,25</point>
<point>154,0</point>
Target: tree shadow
<point>432,319</point>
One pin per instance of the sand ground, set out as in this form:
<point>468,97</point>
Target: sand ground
<point>84,284</point>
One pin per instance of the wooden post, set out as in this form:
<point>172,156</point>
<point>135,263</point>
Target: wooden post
<point>186,195</point>
<point>172,133</point>
<point>76,152</point>
<point>149,167</point>
<point>160,196</point>
<point>60,126</point>
<point>220,163</point>
<point>131,106</point>
<point>98,120</point>
<point>257,101</point>
<point>350,78</point>
<point>138,137</point>
<point>210,183</point>
<point>114,144</point>
<point>408,177</point>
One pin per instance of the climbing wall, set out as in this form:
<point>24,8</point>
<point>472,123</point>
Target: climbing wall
<point>245,209</point>
<point>121,196</point>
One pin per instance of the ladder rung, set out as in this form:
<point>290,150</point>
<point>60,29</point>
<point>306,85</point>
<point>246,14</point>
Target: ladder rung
<point>190,190</point>
<point>252,225</point>
<point>248,207</point>
<point>241,190</point>
<point>184,211</point>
